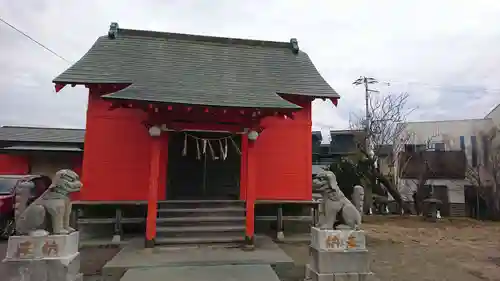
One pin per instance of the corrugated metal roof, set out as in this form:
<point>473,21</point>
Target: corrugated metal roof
<point>39,134</point>
<point>42,148</point>
<point>200,70</point>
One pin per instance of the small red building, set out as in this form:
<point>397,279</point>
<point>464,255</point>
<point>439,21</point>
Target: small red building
<point>191,118</point>
<point>36,150</point>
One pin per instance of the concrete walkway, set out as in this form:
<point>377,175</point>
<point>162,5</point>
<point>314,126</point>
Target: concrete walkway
<point>148,263</point>
<point>249,272</point>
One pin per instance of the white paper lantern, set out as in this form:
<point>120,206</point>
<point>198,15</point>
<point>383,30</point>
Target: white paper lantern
<point>154,131</point>
<point>253,135</point>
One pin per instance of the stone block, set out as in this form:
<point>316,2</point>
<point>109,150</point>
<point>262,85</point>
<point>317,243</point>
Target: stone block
<point>42,247</point>
<point>340,262</point>
<point>66,269</point>
<point>26,270</point>
<point>337,240</point>
<point>78,277</point>
<point>312,275</point>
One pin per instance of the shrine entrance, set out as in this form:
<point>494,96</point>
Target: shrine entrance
<point>203,165</point>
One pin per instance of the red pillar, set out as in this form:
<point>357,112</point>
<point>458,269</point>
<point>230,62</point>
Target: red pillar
<point>154,181</point>
<point>250,194</point>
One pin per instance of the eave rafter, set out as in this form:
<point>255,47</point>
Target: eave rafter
<point>101,88</point>
<point>299,98</point>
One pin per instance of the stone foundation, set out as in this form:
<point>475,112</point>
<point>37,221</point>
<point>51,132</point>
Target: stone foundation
<point>43,258</point>
<point>338,255</point>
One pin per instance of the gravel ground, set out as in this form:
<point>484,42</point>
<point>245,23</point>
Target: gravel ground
<point>409,249</point>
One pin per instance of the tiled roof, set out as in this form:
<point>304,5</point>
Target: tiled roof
<point>39,134</point>
<point>201,70</point>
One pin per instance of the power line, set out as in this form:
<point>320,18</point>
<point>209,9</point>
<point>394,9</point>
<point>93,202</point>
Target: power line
<point>32,39</point>
<point>451,87</point>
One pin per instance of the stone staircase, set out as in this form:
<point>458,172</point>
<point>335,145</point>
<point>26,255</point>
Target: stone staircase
<point>182,222</point>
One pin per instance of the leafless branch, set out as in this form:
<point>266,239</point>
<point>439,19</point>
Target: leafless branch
<point>387,114</point>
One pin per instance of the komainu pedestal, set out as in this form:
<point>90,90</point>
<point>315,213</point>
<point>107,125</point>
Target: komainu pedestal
<point>338,255</point>
<point>43,258</point>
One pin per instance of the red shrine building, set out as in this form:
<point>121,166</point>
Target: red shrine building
<point>177,118</point>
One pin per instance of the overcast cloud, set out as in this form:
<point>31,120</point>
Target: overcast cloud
<point>446,54</point>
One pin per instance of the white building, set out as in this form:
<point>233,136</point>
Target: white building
<point>468,135</point>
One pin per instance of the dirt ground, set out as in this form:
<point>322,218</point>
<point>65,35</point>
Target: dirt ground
<point>410,249</point>
<point>402,249</point>
<point>94,258</point>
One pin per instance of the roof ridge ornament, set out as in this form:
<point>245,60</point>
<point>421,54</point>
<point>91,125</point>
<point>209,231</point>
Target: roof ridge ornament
<point>295,45</point>
<point>113,30</point>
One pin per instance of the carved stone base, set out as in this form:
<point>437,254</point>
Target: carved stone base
<point>312,275</point>
<point>338,255</point>
<point>44,269</point>
<point>340,262</point>
<point>337,240</point>
<point>42,247</point>
<point>43,258</point>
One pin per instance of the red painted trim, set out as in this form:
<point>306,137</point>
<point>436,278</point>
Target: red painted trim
<point>154,185</point>
<point>251,190</point>
<point>335,101</point>
<point>204,126</point>
<point>243,167</point>
<point>59,87</point>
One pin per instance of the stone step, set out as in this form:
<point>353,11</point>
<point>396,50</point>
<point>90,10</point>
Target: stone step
<point>209,212</point>
<point>200,222</point>
<point>200,240</point>
<point>233,231</point>
<point>202,210</point>
<point>201,219</point>
<point>193,204</point>
<point>201,228</point>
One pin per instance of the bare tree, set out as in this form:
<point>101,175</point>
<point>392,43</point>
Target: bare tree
<point>387,116</point>
<point>484,175</point>
<point>423,169</point>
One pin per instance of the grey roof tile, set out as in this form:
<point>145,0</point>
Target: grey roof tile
<point>39,134</point>
<point>202,70</point>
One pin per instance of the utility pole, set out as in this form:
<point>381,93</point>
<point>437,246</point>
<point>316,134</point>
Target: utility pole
<point>363,80</point>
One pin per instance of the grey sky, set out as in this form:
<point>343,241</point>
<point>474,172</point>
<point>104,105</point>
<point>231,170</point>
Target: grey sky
<point>444,53</point>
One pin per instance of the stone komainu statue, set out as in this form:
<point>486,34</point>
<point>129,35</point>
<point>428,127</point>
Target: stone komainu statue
<point>51,211</point>
<point>335,203</point>
<point>358,198</point>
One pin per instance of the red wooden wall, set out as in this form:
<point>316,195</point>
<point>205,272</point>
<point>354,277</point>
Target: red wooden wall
<point>13,164</point>
<point>284,157</point>
<point>117,153</point>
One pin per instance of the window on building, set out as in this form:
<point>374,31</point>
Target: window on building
<point>415,147</point>
<point>409,148</point>
<point>486,150</point>
<point>462,143</point>
<point>439,146</point>
<point>473,143</point>
<point>420,147</point>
